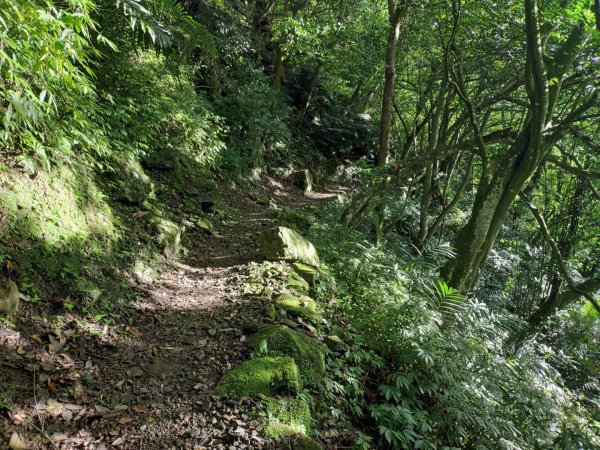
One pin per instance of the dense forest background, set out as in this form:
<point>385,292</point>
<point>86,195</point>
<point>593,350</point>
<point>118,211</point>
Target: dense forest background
<point>464,245</point>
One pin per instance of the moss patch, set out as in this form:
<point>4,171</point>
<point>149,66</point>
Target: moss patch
<point>131,183</point>
<point>303,442</point>
<point>168,236</point>
<point>298,306</point>
<point>286,417</point>
<point>308,273</point>
<point>267,376</point>
<point>308,353</point>
<point>296,283</point>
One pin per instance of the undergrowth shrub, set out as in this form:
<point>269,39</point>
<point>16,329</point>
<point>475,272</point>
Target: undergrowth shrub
<point>45,85</point>
<point>452,377</point>
<point>150,105</point>
<point>256,119</point>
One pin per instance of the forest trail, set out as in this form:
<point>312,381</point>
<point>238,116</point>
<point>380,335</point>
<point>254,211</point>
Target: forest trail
<point>147,381</point>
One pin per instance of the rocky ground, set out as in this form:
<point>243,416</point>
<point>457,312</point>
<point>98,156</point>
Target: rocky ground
<point>146,380</point>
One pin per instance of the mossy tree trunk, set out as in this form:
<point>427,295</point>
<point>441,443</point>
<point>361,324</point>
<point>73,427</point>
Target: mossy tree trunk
<point>503,179</point>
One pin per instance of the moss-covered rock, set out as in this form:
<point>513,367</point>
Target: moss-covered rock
<point>304,179</point>
<point>335,343</point>
<point>86,288</point>
<point>308,273</point>
<point>205,225</point>
<point>9,297</point>
<point>266,376</point>
<point>298,306</point>
<point>143,271</point>
<point>308,353</point>
<point>132,184</point>
<point>283,243</point>
<point>167,235</point>
<point>303,442</point>
<point>286,417</point>
<point>296,283</point>
<point>271,312</point>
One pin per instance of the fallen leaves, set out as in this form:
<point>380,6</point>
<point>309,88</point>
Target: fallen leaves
<point>125,420</point>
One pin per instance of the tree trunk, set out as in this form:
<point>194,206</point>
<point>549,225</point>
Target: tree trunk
<point>278,70</point>
<point>425,203</point>
<point>311,87</point>
<point>501,182</point>
<point>563,300</point>
<point>396,13</point>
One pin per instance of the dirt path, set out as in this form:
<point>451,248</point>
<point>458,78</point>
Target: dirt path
<point>147,381</point>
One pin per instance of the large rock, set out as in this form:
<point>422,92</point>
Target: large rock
<point>9,297</point>
<point>167,235</point>
<point>308,353</point>
<point>283,243</point>
<point>132,184</point>
<point>266,376</point>
<point>304,179</point>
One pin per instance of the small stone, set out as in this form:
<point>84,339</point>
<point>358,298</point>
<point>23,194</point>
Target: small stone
<point>16,443</point>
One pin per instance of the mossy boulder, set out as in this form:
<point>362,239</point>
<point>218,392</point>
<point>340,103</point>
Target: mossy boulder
<point>335,343</point>
<point>86,288</point>
<point>167,235</point>
<point>9,297</point>
<point>286,417</point>
<point>266,376</point>
<point>303,442</point>
<point>304,179</point>
<point>295,282</point>
<point>308,273</point>
<point>132,184</point>
<point>205,225</point>
<point>282,243</point>
<point>143,271</point>
<point>308,353</point>
<point>298,306</point>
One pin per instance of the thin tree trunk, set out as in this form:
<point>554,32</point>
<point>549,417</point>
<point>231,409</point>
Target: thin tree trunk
<point>278,70</point>
<point>396,14</point>
<point>564,299</point>
<point>440,219</point>
<point>311,87</point>
<point>425,203</point>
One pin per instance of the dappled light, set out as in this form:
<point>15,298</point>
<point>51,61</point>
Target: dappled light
<point>299,224</point>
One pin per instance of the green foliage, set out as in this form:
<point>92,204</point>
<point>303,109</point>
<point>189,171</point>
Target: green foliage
<point>286,417</point>
<point>5,403</point>
<point>165,24</point>
<point>452,377</point>
<point>150,106</point>
<point>45,68</point>
<point>256,121</point>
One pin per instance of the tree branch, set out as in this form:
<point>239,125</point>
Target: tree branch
<point>558,256</point>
